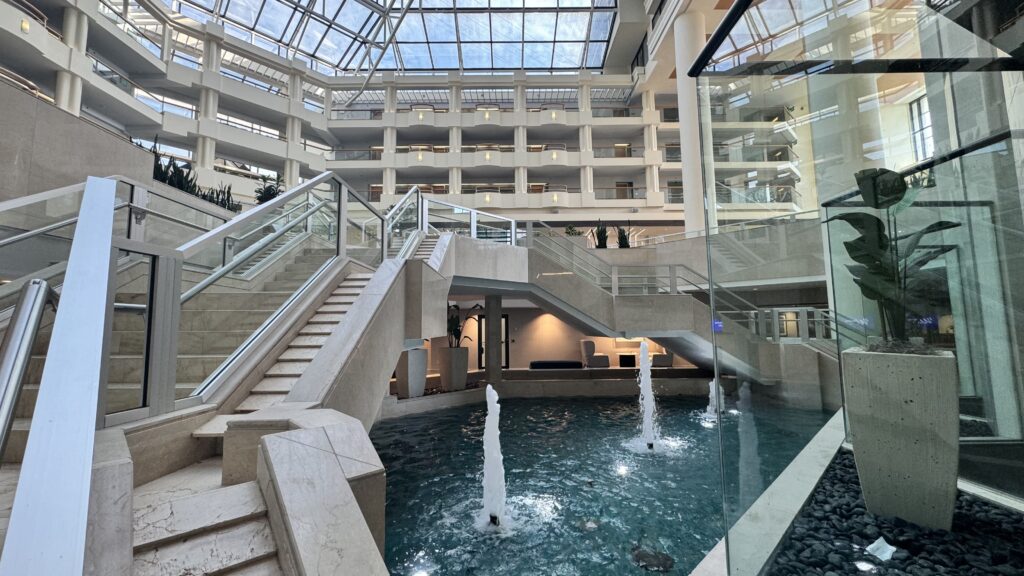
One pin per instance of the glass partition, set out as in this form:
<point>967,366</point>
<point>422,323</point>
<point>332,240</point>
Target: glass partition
<point>900,122</point>
<point>364,230</point>
<point>443,217</point>
<point>403,221</point>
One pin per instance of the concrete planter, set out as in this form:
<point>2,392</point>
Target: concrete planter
<point>412,373</point>
<point>454,368</point>
<point>903,412</point>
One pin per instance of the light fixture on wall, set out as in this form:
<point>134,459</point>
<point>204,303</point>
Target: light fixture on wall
<point>554,155</point>
<point>554,115</point>
<point>487,155</point>
<point>419,156</point>
<point>421,115</point>
<point>554,197</point>
<point>487,115</point>
<point>25,26</point>
<point>487,198</point>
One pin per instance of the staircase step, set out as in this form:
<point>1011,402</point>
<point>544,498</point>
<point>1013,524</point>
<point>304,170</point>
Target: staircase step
<point>326,318</point>
<point>287,368</point>
<point>209,552</point>
<point>265,567</point>
<point>360,276</point>
<point>346,291</point>
<point>203,476</point>
<point>317,329</point>
<point>176,519</point>
<point>299,354</point>
<point>259,401</point>
<point>215,427</point>
<point>332,308</point>
<point>274,386</point>
<point>307,342</point>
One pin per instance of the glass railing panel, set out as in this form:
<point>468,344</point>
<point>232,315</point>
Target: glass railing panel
<point>402,222</point>
<point>127,362</point>
<point>493,229</point>
<point>443,218</point>
<point>226,304</point>
<point>364,231</point>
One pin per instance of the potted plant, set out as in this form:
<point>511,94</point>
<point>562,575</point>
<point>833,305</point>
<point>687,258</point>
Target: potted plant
<point>601,235</point>
<point>455,359</point>
<point>623,236</point>
<point>268,190</point>
<point>901,395</point>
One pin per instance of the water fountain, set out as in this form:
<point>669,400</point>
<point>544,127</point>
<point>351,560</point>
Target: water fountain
<point>494,468</point>
<point>648,428</point>
<point>714,392</point>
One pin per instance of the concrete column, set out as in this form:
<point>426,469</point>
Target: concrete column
<point>68,94</point>
<point>519,139</point>
<point>293,130</point>
<point>519,97</point>
<point>492,309</point>
<point>583,97</point>
<point>521,180</point>
<point>389,181</point>
<point>455,139</point>
<point>211,54</point>
<point>586,137</point>
<point>167,45</point>
<point>206,152</point>
<point>655,197</point>
<point>291,173</point>
<point>208,103</point>
<point>647,100</point>
<point>390,99</point>
<point>454,180</point>
<point>690,35</point>
<point>390,139</point>
<point>295,84</point>
<point>587,185</point>
<point>328,101</point>
<point>454,93</point>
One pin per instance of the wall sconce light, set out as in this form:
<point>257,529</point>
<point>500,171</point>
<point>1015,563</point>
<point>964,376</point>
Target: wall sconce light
<point>25,26</point>
<point>554,155</point>
<point>419,156</point>
<point>421,115</point>
<point>487,115</point>
<point>487,155</point>
<point>554,197</point>
<point>487,198</point>
<point>554,115</point>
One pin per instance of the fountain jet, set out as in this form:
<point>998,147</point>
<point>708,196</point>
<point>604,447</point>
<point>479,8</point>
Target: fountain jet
<point>648,427</point>
<point>494,467</point>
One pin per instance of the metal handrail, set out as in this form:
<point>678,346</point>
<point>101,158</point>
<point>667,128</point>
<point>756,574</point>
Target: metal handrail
<point>48,228</point>
<point>16,349</point>
<point>268,223</point>
<point>196,245</point>
<point>468,210</point>
<point>249,253</point>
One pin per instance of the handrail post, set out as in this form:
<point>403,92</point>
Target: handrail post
<point>162,348</point>
<point>802,324</point>
<point>343,220</point>
<point>514,231</point>
<point>472,223</point>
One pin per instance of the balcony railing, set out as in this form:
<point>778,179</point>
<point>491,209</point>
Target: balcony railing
<point>354,154</point>
<point>159,103</point>
<point>620,193</point>
<point>489,148</point>
<point>552,188</point>
<point>619,152</point>
<point>413,148</point>
<point>753,153</point>
<point>489,189</point>
<point>267,87</point>
<point>554,147</point>
<point>129,28</point>
<point>673,194</point>
<point>36,14</point>
<point>357,114</point>
<point>617,112</point>
<point>750,113</point>
<point>767,194</point>
<point>251,127</point>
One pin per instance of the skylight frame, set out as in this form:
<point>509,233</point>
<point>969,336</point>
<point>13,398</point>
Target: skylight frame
<point>314,31</point>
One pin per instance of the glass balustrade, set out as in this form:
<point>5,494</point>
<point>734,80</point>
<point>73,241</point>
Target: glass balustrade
<point>364,230</point>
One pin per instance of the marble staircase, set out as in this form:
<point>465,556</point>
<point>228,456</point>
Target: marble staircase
<point>426,247</point>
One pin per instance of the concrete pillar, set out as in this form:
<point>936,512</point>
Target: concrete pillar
<point>328,101</point>
<point>690,36</point>
<point>291,173</point>
<point>519,138</point>
<point>211,52</point>
<point>455,139</point>
<point>293,130</point>
<point>68,94</point>
<point>390,139</point>
<point>455,180</point>
<point>389,181</point>
<point>652,179</point>
<point>587,185</point>
<point>492,309</point>
<point>519,97</point>
<point>583,97</point>
<point>586,137</point>
<point>411,373</point>
<point>206,152</point>
<point>167,44</point>
<point>208,103</point>
<point>390,98</point>
<point>454,93</point>
<point>521,180</point>
<point>295,84</point>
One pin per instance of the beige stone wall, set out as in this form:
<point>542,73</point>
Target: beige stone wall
<point>45,148</point>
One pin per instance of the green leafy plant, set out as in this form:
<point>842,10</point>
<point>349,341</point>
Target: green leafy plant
<point>622,234</point>
<point>456,325</point>
<point>571,230</point>
<point>601,235</point>
<point>268,190</point>
<point>889,266</point>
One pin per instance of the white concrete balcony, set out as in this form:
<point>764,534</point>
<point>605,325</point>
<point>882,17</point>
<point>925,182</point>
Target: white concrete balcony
<point>551,155</point>
<point>621,117</point>
<point>414,157</point>
<point>487,117</point>
<point>620,156</point>
<point>354,119</point>
<point>552,117</point>
<point>493,155</point>
<point>425,118</point>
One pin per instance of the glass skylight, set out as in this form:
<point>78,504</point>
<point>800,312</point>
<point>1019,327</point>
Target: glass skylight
<point>349,35</point>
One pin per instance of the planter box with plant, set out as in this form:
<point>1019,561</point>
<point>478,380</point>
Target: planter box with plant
<point>454,360</point>
<point>901,395</point>
<point>600,235</point>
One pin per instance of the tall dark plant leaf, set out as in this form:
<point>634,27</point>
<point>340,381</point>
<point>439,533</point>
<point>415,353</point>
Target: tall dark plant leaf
<point>880,188</point>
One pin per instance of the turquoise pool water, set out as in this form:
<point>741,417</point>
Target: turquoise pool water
<point>583,494</point>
